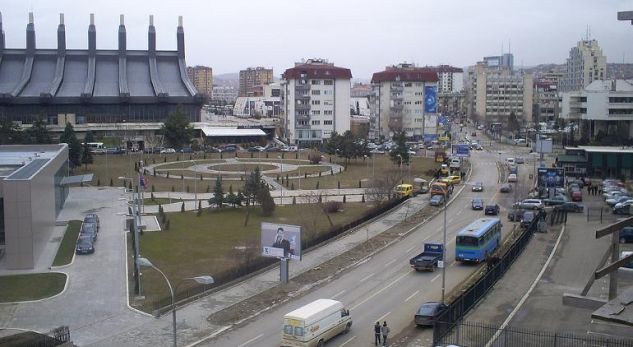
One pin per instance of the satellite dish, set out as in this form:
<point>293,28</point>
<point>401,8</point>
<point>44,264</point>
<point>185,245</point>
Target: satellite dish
<point>391,134</point>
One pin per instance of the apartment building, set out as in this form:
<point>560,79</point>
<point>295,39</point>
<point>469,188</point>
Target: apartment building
<point>252,78</point>
<point>266,105</point>
<point>603,107</point>
<point>202,78</point>
<point>585,64</point>
<point>224,94</point>
<point>404,98</point>
<point>315,98</point>
<point>450,87</point>
<point>546,97</point>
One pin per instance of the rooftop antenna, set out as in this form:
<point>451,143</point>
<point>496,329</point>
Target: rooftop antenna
<point>510,47</point>
<point>587,33</point>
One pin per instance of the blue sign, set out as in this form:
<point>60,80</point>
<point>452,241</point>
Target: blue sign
<point>463,150</point>
<point>430,99</point>
<point>551,177</point>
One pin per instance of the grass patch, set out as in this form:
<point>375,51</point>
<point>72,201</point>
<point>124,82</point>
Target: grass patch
<point>159,201</point>
<point>67,248</point>
<point>186,164</point>
<point>241,168</point>
<point>31,286</point>
<point>218,242</point>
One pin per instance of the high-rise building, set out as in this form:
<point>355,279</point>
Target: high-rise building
<point>252,78</point>
<point>202,78</point>
<point>584,65</point>
<point>404,99</point>
<point>450,89</point>
<point>546,97</point>
<point>315,97</point>
<point>504,61</point>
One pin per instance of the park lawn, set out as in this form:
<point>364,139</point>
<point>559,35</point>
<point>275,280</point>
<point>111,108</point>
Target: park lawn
<point>217,242</point>
<point>186,164</point>
<point>158,201</point>
<point>66,249</point>
<point>28,287</point>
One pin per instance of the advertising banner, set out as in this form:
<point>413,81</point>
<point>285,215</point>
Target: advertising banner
<point>430,99</point>
<point>463,150</point>
<point>281,241</point>
<point>551,177</point>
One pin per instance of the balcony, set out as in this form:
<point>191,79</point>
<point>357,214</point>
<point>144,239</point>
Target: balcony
<point>302,87</point>
<point>397,107</point>
<point>302,107</point>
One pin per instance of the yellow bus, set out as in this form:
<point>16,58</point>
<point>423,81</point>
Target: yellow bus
<point>404,190</point>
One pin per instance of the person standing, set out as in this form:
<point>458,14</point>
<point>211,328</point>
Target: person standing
<point>385,331</point>
<point>377,332</point>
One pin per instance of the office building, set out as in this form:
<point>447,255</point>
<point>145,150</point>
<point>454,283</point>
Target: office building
<point>404,99</point>
<point>253,77</point>
<point>546,98</point>
<point>267,105</point>
<point>585,64</point>
<point>226,94</point>
<point>450,88</point>
<point>315,98</point>
<point>202,78</point>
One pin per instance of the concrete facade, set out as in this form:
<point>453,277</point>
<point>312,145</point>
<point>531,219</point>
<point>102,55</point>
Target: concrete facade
<point>585,64</point>
<point>32,197</point>
<point>202,78</point>
<point>253,77</point>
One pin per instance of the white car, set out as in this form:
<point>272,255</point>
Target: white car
<point>536,203</point>
<point>512,177</point>
<point>628,267</point>
<point>623,204</point>
<point>167,150</point>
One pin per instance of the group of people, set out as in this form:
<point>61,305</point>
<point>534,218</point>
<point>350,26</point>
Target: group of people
<point>381,331</point>
<point>593,189</point>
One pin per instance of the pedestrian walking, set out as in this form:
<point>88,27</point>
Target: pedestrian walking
<point>377,332</point>
<point>385,332</point>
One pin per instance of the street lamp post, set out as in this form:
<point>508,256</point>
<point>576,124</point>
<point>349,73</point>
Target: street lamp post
<point>282,179</point>
<point>204,279</point>
<point>136,223</point>
<point>400,156</point>
<point>444,253</point>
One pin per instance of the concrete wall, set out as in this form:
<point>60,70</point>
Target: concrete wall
<point>342,90</point>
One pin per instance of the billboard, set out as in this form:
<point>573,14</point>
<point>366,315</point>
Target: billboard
<point>430,99</point>
<point>543,145</point>
<point>551,177</point>
<point>281,240</point>
<point>463,150</point>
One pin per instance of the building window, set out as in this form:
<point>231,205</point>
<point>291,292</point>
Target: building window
<point>408,84</point>
<point>327,122</point>
<point>328,92</point>
<point>316,92</point>
<point>316,122</point>
<point>328,82</point>
<point>316,102</point>
<point>316,112</point>
<point>316,82</point>
<point>327,112</point>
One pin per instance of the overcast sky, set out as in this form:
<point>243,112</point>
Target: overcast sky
<point>363,35</point>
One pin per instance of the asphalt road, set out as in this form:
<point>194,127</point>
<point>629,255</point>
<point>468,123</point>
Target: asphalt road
<point>385,287</point>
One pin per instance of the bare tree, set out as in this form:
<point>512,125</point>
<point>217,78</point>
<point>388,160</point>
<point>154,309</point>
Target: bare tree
<point>153,140</point>
<point>382,186</point>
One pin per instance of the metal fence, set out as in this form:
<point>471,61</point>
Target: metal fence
<point>457,309</point>
<point>474,334</point>
<point>600,213</point>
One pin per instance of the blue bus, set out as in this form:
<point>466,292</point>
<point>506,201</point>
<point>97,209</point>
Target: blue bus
<point>478,240</point>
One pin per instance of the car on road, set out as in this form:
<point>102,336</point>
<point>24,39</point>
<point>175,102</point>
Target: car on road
<point>89,229</point>
<point>477,204</point>
<point>256,149</point>
<point>626,235</point>
<point>186,150</point>
<point>515,214</point>
<point>492,209</point>
<point>85,245</point>
<point>512,177</point>
<point>478,147</point>
<point>527,219</point>
<point>478,187</point>
<point>437,200</point>
<point>571,207</point>
<point>505,188</point>
<point>428,313</point>
<point>272,149</point>
<point>453,179</point>
<point>167,150</point>
<point>519,160</point>
<point>94,219</point>
<point>533,203</point>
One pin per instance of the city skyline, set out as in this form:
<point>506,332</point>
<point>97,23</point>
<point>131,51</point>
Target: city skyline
<point>363,36</point>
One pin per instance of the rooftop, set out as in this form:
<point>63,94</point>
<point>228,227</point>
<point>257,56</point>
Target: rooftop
<point>405,73</point>
<point>604,149</point>
<point>23,161</point>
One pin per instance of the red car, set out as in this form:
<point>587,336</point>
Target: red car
<point>576,195</point>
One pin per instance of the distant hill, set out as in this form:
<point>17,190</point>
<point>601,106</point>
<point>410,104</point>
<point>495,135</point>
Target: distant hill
<point>231,79</point>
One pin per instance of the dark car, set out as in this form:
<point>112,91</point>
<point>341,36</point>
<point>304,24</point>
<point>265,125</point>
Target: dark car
<point>571,207</point>
<point>515,214</point>
<point>89,229</point>
<point>478,187</point>
<point>505,188</point>
<point>556,200</point>
<point>85,245</point>
<point>527,219</point>
<point>272,149</point>
<point>92,218</point>
<point>437,200</point>
<point>477,204</point>
<point>428,313</point>
<point>626,235</point>
<point>492,210</point>
<point>212,150</point>
<point>186,150</point>
<point>519,160</point>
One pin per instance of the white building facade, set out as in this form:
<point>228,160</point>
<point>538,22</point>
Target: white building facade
<point>585,64</point>
<point>315,98</point>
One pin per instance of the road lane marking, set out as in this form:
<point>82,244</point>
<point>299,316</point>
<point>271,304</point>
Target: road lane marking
<point>381,290</point>
<point>410,249</point>
<point>366,277</point>
<point>436,277</point>
<point>346,342</point>
<point>251,340</point>
<point>383,316</point>
<point>338,294</point>
<point>412,295</point>
<point>389,262</point>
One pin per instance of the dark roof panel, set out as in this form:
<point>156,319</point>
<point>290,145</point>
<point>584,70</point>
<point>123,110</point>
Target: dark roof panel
<point>320,71</point>
<point>169,74</point>
<point>75,74</point>
<point>41,76</point>
<point>107,78</point>
<point>405,75</point>
<point>11,72</point>
<point>28,170</point>
<point>138,78</point>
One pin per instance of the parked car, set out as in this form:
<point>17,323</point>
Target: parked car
<point>492,210</point>
<point>212,149</point>
<point>516,214</point>
<point>85,245</point>
<point>94,219</point>
<point>629,266</point>
<point>527,218</point>
<point>614,201</point>
<point>478,187</point>
<point>623,203</point>
<point>477,204</point>
<point>519,160</point>
<point>437,200</point>
<point>571,207</point>
<point>186,150</point>
<point>512,177</point>
<point>478,147</point>
<point>272,149</point>
<point>626,235</point>
<point>167,150</point>
<point>533,203</point>
<point>520,142</point>
<point>505,188</point>
<point>623,208</point>
<point>88,229</point>
<point>556,200</point>
<point>428,313</point>
<point>576,195</point>
<point>256,149</point>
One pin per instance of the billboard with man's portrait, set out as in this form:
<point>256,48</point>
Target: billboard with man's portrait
<point>281,241</point>
<point>551,177</point>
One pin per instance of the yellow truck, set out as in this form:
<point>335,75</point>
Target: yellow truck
<point>404,190</point>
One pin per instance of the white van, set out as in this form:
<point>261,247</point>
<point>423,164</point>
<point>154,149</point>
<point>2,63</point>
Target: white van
<point>511,161</point>
<point>455,163</point>
<point>315,323</point>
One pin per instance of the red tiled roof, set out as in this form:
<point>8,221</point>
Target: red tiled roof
<point>320,71</point>
<point>406,75</point>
